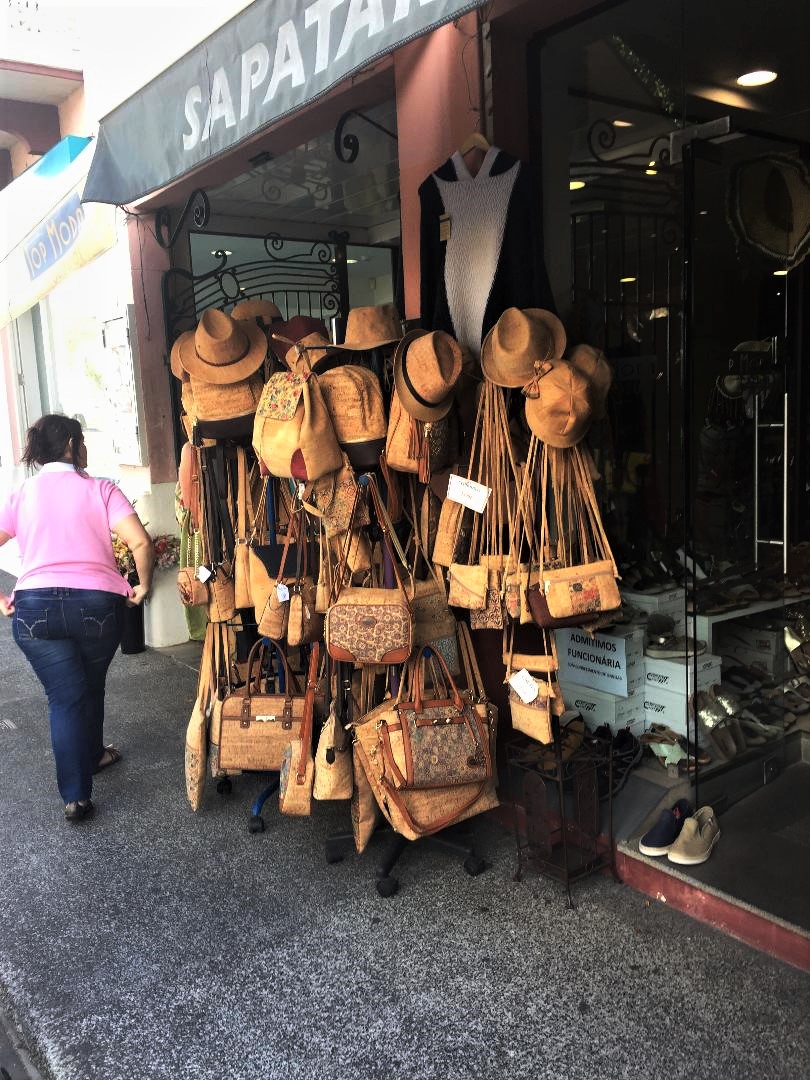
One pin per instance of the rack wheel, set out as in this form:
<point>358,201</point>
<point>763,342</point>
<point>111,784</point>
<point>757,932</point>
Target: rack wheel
<point>474,866</point>
<point>256,823</point>
<point>224,786</point>
<point>333,852</point>
<point>387,886</point>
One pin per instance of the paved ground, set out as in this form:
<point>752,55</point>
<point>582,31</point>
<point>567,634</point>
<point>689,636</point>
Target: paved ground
<point>155,944</point>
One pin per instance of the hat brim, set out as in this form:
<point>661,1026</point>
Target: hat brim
<point>174,362</point>
<point>549,432</point>
<point>221,374</point>
<point>417,409</point>
<point>559,336</point>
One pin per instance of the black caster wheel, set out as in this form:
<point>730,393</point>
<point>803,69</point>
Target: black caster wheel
<point>333,853</point>
<point>474,866</point>
<point>224,787</point>
<point>387,886</point>
<point>256,823</point>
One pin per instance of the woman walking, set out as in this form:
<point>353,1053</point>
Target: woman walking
<point>67,604</point>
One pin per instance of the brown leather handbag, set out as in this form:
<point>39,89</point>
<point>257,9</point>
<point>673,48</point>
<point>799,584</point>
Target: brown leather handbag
<point>257,726</point>
<point>298,766</point>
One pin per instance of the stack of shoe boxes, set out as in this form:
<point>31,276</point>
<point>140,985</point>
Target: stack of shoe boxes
<point>602,676</point>
<point>668,602</point>
<point>668,685</point>
<point>750,645</point>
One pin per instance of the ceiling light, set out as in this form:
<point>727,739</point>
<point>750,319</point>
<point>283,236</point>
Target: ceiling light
<point>651,172</point>
<point>703,213</point>
<point>576,185</point>
<point>780,273</point>
<point>622,123</point>
<point>219,252</point>
<point>756,78</point>
<point>626,280</point>
<point>651,164</point>
<point>351,262</point>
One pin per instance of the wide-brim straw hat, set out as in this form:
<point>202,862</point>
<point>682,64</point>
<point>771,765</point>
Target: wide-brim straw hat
<point>427,365</point>
<point>178,370</point>
<point>222,349</point>
<point>561,413</point>
<point>371,328</point>
<point>519,343</point>
<point>295,329</point>
<point>256,308</point>
<point>592,363</point>
<point>769,207</point>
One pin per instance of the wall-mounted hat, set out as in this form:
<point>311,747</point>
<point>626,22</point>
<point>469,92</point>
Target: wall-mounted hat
<point>562,412</point>
<point>769,207</point>
<point>427,365</point>
<point>222,349</point>
<point>372,327</point>
<point>593,364</point>
<point>519,343</point>
<point>265,310</point>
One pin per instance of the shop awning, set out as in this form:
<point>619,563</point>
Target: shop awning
<point>272,59</point>
<point>45,232</point>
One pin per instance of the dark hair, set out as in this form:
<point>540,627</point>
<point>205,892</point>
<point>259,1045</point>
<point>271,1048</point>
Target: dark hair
<point>48,439</point>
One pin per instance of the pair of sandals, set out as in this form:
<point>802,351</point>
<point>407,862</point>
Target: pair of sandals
<point>664,644</point>
<point>667,747</point>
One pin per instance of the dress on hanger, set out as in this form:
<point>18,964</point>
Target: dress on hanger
<point>481,248</point>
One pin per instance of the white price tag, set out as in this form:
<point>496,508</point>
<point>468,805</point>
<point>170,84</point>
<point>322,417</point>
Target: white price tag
<point>203,573</point>
<point>524,686</point>
<point>282,592</point>
<point>467,492</point>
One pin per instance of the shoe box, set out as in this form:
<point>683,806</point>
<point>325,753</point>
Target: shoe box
<point>752,645</point>
<point>596,707</point>
<point>670,706</point>
<point>612,663</point>
<point>678,675</point>
<point>670,602</point>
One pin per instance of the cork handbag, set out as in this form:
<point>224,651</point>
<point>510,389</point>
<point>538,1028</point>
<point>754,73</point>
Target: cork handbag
<point>298,766</point>
<point>333,761</point>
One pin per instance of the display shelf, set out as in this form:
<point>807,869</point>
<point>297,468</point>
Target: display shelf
<point>704,624</point>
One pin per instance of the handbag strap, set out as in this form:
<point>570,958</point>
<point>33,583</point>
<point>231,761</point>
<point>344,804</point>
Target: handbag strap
<point>416,674</point>
<point>475,684</point>
<point>309,713</point>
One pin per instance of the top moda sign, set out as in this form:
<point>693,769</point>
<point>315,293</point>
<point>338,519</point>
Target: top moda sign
<point>269,61</point>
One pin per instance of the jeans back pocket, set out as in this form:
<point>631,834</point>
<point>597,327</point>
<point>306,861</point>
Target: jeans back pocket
<point>99,622</point>
<point>30,623</point>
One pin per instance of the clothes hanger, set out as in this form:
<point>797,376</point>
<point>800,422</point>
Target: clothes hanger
<point>474,141</point>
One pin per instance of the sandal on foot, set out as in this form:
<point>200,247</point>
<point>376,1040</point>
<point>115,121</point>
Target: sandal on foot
<point>111,756</point>
<point>77,811</point>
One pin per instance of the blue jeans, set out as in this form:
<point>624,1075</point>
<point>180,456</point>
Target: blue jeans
<point>69,637</point>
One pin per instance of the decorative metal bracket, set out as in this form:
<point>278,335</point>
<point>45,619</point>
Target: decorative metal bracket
<point>165,235</point>
<point>347,146</point>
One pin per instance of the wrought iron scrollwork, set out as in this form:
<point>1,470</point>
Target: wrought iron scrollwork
<point>347,145</point>
<point>197,202</point>
<point>601,137</point>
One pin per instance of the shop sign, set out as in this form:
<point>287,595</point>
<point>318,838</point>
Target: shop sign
<point>610,663</point>
<point>54,238</point>
<point>270,60</point>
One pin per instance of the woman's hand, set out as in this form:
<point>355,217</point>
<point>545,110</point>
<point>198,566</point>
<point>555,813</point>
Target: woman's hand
<point>6,605</point>
<point>139,594</point>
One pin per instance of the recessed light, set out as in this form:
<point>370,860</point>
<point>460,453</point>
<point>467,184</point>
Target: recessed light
<point>756,78</point>
<point>651,172</point>
<point>626,280</point>
<point>351,262</point>
<point>651,164</point>
<point>703,213</point>
<point>576,185</point>
<point>622,123</point>
<point>780,273</point>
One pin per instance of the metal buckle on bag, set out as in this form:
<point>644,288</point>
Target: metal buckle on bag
<point>266,718</point>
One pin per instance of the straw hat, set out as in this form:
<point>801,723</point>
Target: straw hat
<point>561,414</point>
<point>265,310</point>
<point>304,354</point>
<point>222,349</point>
<point>178,370</point>
<point>519,343</point>
<point>295,329</point>
<point>426,367</point>
<point>372,327</point>
<point>593,364</point>
<point>769,206</point>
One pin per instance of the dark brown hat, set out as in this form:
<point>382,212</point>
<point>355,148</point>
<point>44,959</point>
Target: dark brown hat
<point>427,365</point>
<point>519,343</point>
<point>561,413</point>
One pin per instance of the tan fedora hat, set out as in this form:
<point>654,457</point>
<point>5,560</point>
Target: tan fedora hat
<point>222,349</point>
<point>178,370</point>
<point>303,355</point>
<point>371,328</point>
<point>519,343</point>
<point>427,365</point>
<point>592,363</point>
<point>265,310</point>
<point>562,412</point>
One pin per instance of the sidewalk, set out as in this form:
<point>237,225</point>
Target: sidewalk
<point>155,944</point>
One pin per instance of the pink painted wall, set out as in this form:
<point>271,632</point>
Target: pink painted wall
<point>149,262</point>
<point>436,110</point>
<point>73,115</point>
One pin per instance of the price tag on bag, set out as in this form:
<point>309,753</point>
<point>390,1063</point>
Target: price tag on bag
<point>469,493</point>
<point>282,592</point>
<point>524,686</point>
<point>203,574</point>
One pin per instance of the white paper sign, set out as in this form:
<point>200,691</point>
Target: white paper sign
<point>467,492</point>
<point>203,573</point>
<point>282,592</point>
<point>524,686</point>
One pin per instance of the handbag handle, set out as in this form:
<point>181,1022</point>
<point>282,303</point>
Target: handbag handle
<point>259,649</point>
<point>416,677</point>
<point>309,713</point>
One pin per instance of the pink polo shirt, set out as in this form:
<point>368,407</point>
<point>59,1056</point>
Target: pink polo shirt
<point>62,521</point>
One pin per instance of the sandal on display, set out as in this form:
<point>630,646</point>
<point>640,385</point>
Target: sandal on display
<point>714,722</point>
<point>795,702</point>
<point>111,756</point>
<point>664,644</point>
<point>742,679</point>
<point>756,732</point>
<point>796,648</point>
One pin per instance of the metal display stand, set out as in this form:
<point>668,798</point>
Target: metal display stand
<point>563,809</point>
